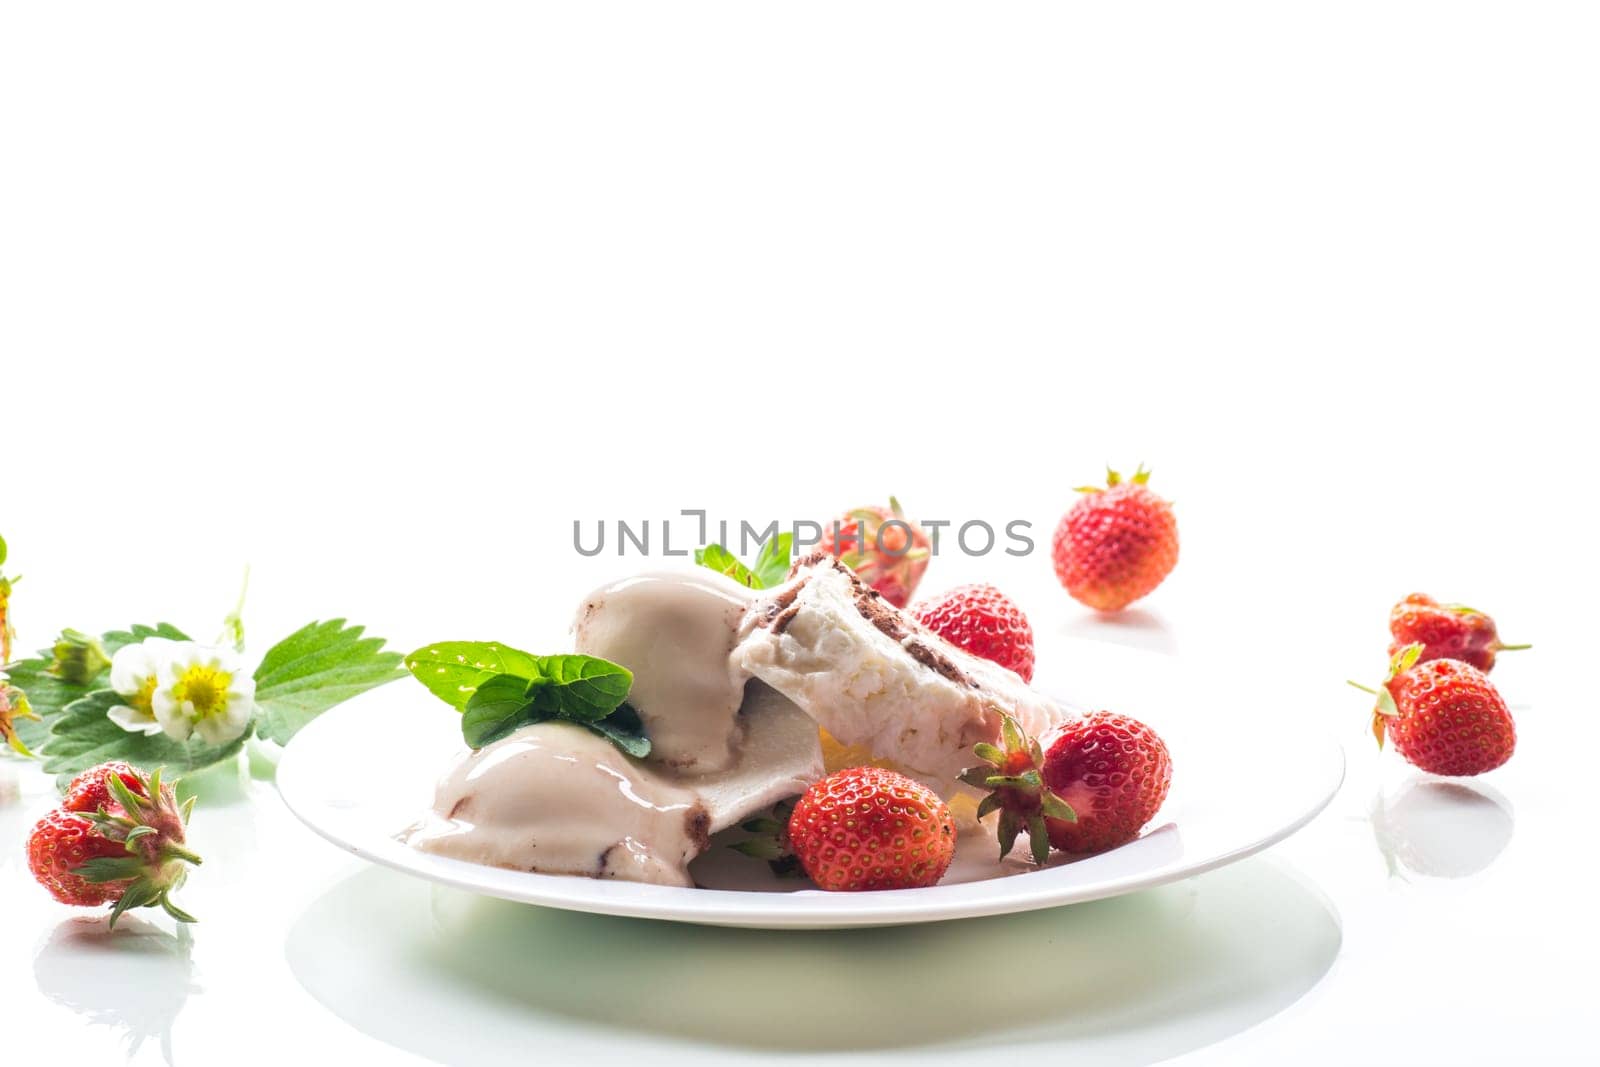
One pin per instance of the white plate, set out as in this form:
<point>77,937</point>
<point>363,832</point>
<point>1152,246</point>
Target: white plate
<point>365,770</point>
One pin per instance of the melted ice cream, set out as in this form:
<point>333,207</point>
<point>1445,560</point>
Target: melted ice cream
<point>675,631</point>
<point>780,757</point>
<point>557,798</point>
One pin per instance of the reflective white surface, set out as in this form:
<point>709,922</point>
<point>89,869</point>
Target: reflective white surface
<point>1447,891</point>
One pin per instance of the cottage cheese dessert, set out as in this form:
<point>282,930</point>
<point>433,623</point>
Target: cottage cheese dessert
<point>730,685</point>
<point>871,676</point>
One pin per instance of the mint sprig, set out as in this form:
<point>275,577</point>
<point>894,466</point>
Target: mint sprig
<point>499,689</point>
<point>453,670</point>
<point>719,559</point>
<point>770,568</point>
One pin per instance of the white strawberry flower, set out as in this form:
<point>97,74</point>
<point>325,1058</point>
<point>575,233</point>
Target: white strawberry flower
<point>205,691</point>
<point>135,673</point>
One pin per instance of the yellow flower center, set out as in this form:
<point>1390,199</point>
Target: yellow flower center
<point>204,688</point>
<point>140,701</point>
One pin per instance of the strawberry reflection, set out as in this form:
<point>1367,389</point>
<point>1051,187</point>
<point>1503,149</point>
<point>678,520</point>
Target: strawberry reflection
<point>134,979</point>
<point>1441,828</point>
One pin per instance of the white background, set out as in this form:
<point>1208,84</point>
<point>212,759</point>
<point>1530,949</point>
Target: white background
<point>379,298</point>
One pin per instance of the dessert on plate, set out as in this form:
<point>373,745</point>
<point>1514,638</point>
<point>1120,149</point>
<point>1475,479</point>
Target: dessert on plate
<point>694,703</point>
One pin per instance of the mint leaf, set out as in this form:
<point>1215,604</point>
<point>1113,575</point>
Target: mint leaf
<point>452,670</point>
<point>582,688</point>
<point>81,736</point>
<point>498,689</point>
<point>772,565</point>
<point>497,706</point>
<point>314,668</point>
<point>722,561</point>
<point>49,695</point>
<point>624,730</point>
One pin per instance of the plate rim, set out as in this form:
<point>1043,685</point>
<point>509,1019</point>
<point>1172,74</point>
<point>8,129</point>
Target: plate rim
<point>752,908</point>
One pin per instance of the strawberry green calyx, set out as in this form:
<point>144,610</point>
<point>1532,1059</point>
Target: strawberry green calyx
<point>1114,479</point>
<point>869,521</point>
<point>1012,774</point>
<point>151,829</point>
<point>1384,708</point>
<point>770,840</point>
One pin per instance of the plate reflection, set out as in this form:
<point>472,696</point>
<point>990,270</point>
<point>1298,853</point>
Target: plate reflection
<point>466,979</point>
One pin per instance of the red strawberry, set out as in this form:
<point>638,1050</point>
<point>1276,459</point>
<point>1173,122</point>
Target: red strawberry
<point>870,828</point>
<point>1116,544</point>
<point>885,549</point>
<point>91,791</point>
<point>129,854</point>
<point>1094,787</point>
<point>1114,771</point>
<point>982,620</point>
<point>1444,716</point>
<point>1446,631</point>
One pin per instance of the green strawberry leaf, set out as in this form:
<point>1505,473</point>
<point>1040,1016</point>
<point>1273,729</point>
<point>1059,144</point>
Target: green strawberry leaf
<point>453,670</point>
<point>314,668</point>
<point>116,639</point>
<point>82,736</point>
<point>497,706</point>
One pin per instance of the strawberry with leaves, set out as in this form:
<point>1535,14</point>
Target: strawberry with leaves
<point>1090,785</point>
<point>118,839</point>
<point>1444,716</point>
<point>1117,543</point>
<point>885,549</point>
<point>1446,631</point>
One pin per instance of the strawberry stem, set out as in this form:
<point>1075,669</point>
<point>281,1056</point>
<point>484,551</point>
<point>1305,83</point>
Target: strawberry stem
<point>1363,688</point>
